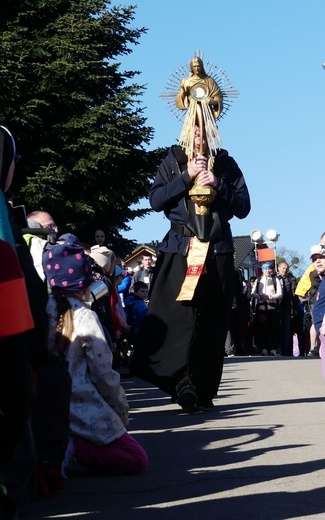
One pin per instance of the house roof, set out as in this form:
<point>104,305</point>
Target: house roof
<point>141,249</point>
<point>243,247</point>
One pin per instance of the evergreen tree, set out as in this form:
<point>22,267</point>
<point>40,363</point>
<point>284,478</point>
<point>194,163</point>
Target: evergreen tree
<point>76,117</point>
<point>296,262</point>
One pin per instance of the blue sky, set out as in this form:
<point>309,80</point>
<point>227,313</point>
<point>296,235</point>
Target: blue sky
<point>273,54</point>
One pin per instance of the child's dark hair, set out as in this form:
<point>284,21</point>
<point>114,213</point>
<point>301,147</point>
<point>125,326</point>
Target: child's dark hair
<point>139,285</point>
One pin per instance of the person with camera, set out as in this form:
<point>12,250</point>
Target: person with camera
<point>40,234</point>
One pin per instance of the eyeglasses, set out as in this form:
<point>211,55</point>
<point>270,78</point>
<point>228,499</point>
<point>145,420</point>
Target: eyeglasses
<point>52,225</point>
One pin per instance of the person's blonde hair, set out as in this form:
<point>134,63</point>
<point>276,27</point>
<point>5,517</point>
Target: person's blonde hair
<point>64,327</point>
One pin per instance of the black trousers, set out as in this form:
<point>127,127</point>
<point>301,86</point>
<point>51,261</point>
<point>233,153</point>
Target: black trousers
<point>183,342</point>
<point>267,329</point>
<point>17,392</point>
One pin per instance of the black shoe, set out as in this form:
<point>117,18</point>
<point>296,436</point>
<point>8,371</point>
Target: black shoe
<point>205,405</point>
<point>314,352</point>
<point>187,399</point>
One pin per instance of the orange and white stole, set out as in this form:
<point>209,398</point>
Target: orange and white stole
<point>195,267</point>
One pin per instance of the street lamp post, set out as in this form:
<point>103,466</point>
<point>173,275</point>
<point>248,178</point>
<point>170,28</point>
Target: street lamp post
<point>257,239</point>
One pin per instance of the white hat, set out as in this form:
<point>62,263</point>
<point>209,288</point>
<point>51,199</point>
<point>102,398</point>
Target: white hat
<point>317,249</point>
<point>102,256</point>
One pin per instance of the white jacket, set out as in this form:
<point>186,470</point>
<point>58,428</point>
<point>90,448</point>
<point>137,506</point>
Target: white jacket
<point>98,405</point>
<point>265,285</point>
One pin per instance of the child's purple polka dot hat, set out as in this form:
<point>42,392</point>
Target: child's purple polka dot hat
<point>67,267</point>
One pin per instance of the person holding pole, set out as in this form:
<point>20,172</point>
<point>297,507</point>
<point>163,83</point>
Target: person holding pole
<point>181,344</point>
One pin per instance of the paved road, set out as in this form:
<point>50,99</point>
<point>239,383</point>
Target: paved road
<point>259,455</point>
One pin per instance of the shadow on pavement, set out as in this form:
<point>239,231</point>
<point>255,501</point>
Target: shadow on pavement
<point>201,466</point>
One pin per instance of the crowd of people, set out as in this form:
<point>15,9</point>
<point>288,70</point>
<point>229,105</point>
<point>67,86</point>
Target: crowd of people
<point>63,321</point>
<point>267,317</point>
<point>69,308</point>
<point>273,313</point>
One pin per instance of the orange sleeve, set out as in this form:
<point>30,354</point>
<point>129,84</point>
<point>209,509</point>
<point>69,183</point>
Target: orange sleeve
<point>15,313</point>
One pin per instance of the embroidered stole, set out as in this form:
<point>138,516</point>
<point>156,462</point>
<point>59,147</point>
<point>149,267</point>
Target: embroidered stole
<point>195,267</point>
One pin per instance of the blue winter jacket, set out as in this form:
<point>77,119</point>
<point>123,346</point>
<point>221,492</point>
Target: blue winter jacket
<point>319,306</point>
<point>136,310</point>
<point>169,193</point>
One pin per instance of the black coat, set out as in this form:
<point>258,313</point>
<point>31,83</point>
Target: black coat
<point>169,193</point>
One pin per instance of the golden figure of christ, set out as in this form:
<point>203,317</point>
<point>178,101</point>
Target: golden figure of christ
<point>198,86</point>
<point>201,96</point>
